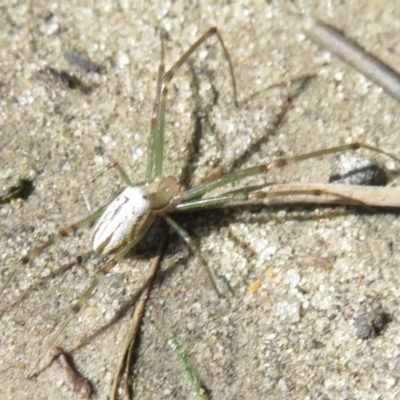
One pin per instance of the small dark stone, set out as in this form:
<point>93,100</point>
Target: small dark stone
<point>353,169</point>
<point>370,324</point>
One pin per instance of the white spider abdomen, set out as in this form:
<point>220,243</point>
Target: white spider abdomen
<point>122,220</point>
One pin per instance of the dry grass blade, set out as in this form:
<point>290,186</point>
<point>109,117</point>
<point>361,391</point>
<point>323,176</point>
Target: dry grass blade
<point>354,55</point>
<point>190,374</point>
<point>133,329</point>
<point>324,193</point>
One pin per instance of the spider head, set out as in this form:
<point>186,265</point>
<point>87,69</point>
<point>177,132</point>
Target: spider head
<point>163,193</point>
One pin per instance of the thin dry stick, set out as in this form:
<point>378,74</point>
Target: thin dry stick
<point>323,193</point>
<point>132,331</point>
<point>334,41</point>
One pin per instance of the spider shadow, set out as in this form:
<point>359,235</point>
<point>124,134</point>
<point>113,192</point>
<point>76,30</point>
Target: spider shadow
<point>220,222</point>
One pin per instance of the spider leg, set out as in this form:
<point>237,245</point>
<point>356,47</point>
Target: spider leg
<point>262,168</point>
<point>156,147</point>
<point>38,285</point>
<point>120,170</point>
<point>151,152</point>
<point>53,240</point>
<point>341,194</point>
<point>98,276</point>
<point>188,240</point>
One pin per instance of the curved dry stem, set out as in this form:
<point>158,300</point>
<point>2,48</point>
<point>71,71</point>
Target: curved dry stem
<point>133,329</point>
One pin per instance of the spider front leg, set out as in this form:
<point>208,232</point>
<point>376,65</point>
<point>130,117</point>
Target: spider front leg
<point>268,193</point>
<point>200,190</point>
<point>156,146</point>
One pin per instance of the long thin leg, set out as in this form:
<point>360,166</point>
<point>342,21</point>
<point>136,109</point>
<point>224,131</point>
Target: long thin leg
<point>156,152</point>
<point>98,276</point>
<point>316,193</point>
<point>54,239</point>
<point>151,152</point>
<point>262,168</point>
<point>120,170</point>
<point>344,194</point>
<point>38,285</point>
<point>186,237</point>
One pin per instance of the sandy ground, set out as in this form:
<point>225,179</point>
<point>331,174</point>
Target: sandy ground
<point>319,267</point>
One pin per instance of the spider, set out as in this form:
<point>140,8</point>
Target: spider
<point>122,223</point>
